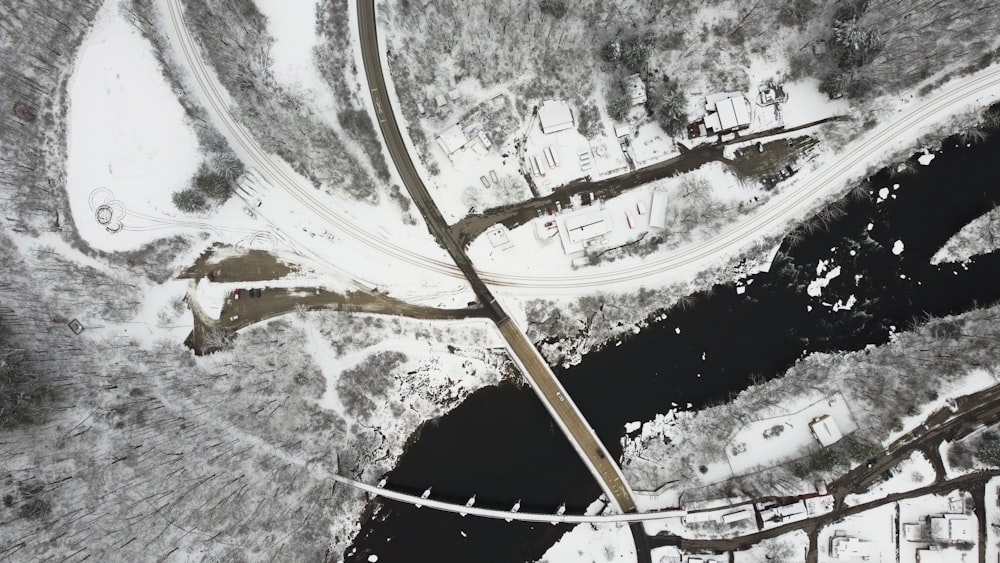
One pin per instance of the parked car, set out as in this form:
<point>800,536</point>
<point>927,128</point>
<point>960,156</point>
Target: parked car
<point>234,318</point>
<point>259,291</point>
<point>236,293</point>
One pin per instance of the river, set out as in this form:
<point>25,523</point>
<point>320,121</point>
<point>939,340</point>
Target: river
<point>501,445</point>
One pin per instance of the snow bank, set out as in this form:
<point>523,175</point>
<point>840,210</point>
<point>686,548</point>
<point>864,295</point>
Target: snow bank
<point>129,147</point>
<point>588,543</point>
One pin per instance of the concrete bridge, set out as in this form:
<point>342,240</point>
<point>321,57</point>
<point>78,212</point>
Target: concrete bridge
<point>508,515</point>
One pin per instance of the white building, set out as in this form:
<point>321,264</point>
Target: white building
<point>452,139</point>
<point>555,116</point>
<point>785,512</point>
<point>847,547</point>
<point>727,112</point>
<point>635,88</point>
<point>825,429</point>
<point>745,513</point>
<point>658,209</point>
<point>581,228</point>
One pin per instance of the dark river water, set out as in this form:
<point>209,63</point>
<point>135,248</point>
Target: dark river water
<point>501,445</point>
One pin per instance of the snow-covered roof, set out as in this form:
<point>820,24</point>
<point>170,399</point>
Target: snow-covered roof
<point>585,227</point>
<point>826,430</point>
<point>635,88</point>
<point>948,527</point>
<point>658,210</point>
<point>731,111</point>
<point>960,530</point>
<point>452,139</point>
<point>745,513</point>
<point>555,115</point>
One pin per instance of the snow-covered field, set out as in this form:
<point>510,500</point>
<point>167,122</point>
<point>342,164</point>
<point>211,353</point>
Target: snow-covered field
<point>129,146</point>
<point>913,472</point>
<point>590,543</point>
<point>770,441</point>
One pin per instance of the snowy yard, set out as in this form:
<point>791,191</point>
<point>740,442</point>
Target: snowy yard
<point>774,440</point>
<point>591,543</point>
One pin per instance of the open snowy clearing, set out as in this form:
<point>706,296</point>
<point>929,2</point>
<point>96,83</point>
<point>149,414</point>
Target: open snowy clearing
<point>786,547</point>
<point>770,441</point>
<point>129,146</point>
<point>589,543</point>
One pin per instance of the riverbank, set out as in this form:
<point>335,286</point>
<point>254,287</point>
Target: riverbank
<point>889,389</point>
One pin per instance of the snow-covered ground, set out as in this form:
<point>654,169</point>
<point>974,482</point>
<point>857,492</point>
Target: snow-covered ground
<point>591,543</point>
<point>770,441</point>
<point>807,104</point>
<point>129,146</point>
<point>545,246</point>
<point>913,472</point>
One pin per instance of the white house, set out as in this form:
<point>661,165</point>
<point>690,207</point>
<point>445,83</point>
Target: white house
<point>555,116</point>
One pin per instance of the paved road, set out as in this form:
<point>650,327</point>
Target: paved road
<point>562,408</point>
<point>534,367</point>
